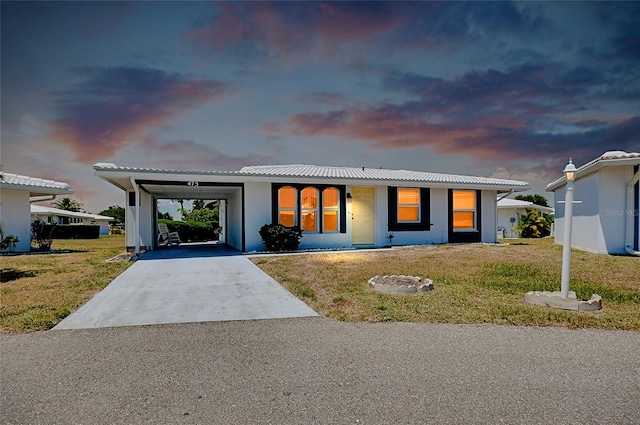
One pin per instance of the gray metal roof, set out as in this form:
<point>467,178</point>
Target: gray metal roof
<point>328,172</point>
<point>19,182</point>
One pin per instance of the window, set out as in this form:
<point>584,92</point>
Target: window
<point>309,209</point>
<point>408,209</point>
<point>408,205</point>
<point>287,206</point>
<point>330,209</point>
<point>318,208</point>
<point>464,210</point>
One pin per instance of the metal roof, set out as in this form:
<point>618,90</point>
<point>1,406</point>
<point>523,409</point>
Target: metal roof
<point>40,209</point>
<point>516,203</point>
<point>33,184</point>
<point>607,159</point>
<point>328,172</point>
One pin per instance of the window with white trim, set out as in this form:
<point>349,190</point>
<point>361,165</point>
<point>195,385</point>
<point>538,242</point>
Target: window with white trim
<point>287,206</point>
<point>408,205</point>
<point>330,210</point>
<point>309,204</point>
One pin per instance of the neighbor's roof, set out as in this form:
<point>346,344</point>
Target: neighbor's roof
<point>39,209</point>
<point>336,173</point>
<point>607,159</point>
<point>36,186</point>
<point>516,203</point>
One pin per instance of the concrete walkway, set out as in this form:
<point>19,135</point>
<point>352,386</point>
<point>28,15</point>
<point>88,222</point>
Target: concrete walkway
<point>187,284</point>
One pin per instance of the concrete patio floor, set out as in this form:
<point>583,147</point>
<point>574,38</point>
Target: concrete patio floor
<point>197,283</point>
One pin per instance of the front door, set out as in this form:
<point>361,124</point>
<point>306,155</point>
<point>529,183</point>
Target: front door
<point>363,216</point>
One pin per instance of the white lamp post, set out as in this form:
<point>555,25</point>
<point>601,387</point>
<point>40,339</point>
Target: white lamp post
<point>570,174</point>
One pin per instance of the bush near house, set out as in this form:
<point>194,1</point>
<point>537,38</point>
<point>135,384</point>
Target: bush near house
<point>192,231</point>
<point>532,225</point>
<point>277,237</point>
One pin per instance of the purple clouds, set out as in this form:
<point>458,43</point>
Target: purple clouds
<point>114,106</point>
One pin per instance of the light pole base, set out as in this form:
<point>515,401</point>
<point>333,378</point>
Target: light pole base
<point>555,300</point>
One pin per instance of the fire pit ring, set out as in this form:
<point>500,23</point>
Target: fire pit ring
<point>400,284</point>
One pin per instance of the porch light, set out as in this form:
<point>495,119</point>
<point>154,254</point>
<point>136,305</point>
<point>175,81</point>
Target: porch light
<point>570,171</point>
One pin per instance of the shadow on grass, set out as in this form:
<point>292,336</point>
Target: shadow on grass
<point>7,275</point>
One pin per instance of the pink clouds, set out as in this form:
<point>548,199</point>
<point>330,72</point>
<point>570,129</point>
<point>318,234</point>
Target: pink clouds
<point>115,106</point>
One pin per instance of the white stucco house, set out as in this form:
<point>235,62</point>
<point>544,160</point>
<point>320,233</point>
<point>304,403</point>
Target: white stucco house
<point>58,216</point>
<point>16,194</point>
<point>607,220</point>
<point>511,210</point>
<point>336,207</point>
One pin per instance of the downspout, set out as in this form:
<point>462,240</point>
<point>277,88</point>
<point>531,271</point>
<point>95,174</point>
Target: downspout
<point>137,215</point>
<point>508,193</point>
<point>630,213</point>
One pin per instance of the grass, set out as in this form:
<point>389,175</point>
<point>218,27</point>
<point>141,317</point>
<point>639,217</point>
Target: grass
<point>38,291</point>
<point>473,284</point>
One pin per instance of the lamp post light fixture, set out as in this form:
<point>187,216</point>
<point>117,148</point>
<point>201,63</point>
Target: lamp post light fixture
<point>570,174</point>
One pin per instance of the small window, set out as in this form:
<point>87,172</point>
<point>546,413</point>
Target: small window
<point>330,209</point>
<point>408,205</point>
<point>287,206</point>
<point>464,210</point>
<point>309,202</point>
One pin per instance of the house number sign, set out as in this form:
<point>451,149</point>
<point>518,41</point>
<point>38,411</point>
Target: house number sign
<point>193,184</point>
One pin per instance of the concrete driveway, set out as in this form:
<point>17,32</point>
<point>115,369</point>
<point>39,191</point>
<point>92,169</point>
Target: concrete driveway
<point>188,284</point>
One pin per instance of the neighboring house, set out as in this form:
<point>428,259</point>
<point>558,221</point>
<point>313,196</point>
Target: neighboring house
<point>58,216</point>
<point>336,207</point>
<point>16,193</point>
<point>607,220</point>
<point>509,213</point>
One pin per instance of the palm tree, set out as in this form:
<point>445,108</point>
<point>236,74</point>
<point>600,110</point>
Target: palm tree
<point>67,204</point>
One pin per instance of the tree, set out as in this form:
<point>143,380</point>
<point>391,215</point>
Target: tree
<point>165,216</point>
<point>536,199</point>
<point>67,204</point>
<point>531,225</point>
<point>115,211</point>
<point>202,211</point>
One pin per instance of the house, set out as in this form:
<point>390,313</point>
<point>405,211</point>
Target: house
<point>607,219</point>
<point>16,194</point>
<point>58,216</point>
<point>511,210</point>
<point>336,207</point>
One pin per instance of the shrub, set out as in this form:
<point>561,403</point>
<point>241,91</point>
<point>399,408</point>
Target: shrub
<point>192,231</point>
<point>277,237</point>
<point>41,233</point>
<point>532,225</point>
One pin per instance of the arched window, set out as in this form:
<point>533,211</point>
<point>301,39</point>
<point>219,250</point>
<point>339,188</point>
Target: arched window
<point>330,209</point>
<point>309,203</point>
<point>287,206</point>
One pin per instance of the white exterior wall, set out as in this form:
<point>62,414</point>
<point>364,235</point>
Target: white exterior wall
<point>612,209</point>
<point>147,232</point>
<point>504,220</point>
<point>489,219</point>
<point>257,214</point>
<point>15,213</point>
<point>234,219</point>
<point>599,221</point>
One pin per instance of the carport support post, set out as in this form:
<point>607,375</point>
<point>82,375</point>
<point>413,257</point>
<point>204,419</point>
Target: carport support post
<point>137,215</point>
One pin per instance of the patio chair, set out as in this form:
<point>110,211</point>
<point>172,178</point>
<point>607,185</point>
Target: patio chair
<point>165,237</point>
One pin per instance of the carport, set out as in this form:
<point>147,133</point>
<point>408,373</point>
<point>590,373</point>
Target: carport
<point>144,187</point>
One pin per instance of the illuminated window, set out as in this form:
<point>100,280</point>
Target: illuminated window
<point>287,206</point>
<point>464,210</point>
<point>309,202</point>
<point>408,205</point>
<point>330,209</point>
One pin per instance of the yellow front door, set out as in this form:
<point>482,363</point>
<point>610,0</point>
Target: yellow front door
<point>363,214</point>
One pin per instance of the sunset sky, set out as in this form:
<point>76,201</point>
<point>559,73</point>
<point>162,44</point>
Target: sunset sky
<point>508,90</point>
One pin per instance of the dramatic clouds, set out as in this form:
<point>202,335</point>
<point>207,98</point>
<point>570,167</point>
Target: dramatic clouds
<point>511,89</point>
<point>114,106</point>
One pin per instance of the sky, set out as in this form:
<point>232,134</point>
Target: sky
<point>507,90</point>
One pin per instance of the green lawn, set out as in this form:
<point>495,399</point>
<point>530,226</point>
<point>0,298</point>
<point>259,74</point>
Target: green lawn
<point>37,291</point>
<point>474,283</point>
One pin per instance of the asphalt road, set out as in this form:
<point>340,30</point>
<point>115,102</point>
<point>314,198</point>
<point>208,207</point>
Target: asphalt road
<point>317,371</point>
